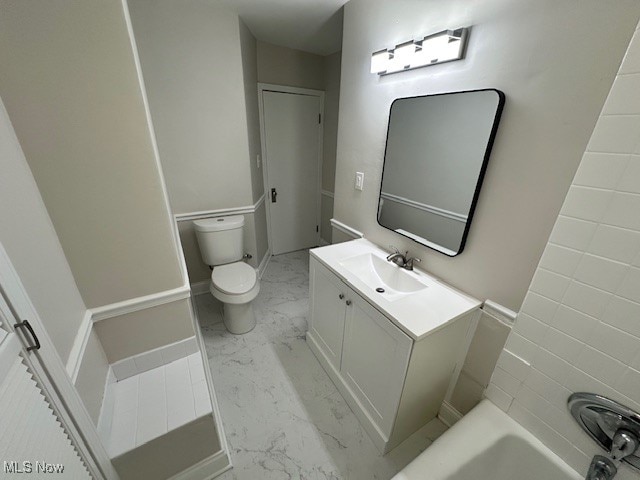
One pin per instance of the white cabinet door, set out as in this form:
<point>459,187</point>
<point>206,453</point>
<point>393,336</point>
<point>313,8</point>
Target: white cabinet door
<point>328,296</point>
<point>374,361</point>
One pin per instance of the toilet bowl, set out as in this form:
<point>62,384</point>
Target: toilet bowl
<point>236,285</point>
<point>233,282</point>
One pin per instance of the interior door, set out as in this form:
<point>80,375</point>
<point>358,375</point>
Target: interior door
<point>33,439</point>
<point>292,142</point>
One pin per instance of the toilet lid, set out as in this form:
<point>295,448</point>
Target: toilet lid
<point>235,278</point>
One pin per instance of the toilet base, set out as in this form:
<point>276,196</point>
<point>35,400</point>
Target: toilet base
<point>239,319</point>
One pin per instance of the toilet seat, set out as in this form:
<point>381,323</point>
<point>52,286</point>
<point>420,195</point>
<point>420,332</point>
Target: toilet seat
<point>234,278</point>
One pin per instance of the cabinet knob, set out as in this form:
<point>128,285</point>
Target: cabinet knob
<point>348,302</point>
<point>341,296</point>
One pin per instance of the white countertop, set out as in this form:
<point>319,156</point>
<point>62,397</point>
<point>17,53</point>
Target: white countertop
<point>417,314</point>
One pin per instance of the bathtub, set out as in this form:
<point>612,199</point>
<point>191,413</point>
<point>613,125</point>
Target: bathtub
<point>487,445</point>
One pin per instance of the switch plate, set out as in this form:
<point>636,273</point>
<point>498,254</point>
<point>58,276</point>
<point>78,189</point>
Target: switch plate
<point>359,181</point>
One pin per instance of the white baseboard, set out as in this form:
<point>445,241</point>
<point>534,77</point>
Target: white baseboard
<point>346,229</point>
<point>264,262</point>
<point>200,288</point>
<point>448,415</point>
<point>210,467</point>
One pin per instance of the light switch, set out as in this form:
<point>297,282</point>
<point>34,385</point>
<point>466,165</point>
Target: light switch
<point>359,180</point>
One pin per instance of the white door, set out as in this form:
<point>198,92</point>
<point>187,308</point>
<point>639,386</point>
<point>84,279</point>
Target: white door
<point>292,141</point>
<point>33,441</point>
<point>374,361</point>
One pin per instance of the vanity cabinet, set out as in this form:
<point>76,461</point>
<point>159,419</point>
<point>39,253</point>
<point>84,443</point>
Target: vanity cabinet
<point>357,340</point>
<point>393,383</point>
<point>328,308</point>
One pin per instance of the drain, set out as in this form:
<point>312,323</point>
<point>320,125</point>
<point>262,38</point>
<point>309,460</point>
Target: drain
<point>380,290</point>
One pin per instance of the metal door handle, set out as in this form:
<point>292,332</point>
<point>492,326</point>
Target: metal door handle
<point>274,194</point>
<point>341,296</point>
<point>27,325</point>
<point>348,302</point>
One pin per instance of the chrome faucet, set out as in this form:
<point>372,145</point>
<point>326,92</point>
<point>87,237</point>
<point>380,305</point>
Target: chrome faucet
<point>623,444</point>
<point>408,264</point>
<point>402,260</point>
<point>396,257</point>
<point>601,468</point>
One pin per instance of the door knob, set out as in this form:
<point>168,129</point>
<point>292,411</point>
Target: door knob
<point>274,194</point>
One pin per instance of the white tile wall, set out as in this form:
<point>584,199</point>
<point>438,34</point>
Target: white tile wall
<point>579,326</point>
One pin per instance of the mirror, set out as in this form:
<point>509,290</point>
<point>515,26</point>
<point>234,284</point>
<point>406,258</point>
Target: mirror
<point>437,151</point>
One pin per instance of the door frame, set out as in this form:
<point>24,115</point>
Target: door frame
<point>51,375</point>
<point>268,87</point>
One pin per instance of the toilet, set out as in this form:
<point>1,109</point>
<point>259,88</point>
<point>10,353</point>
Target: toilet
<point>233,282</point>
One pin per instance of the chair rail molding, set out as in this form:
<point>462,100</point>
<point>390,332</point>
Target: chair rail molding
<point>220,212</point>
<point>346,229</point>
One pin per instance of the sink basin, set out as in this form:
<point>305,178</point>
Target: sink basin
<point>377,272</point>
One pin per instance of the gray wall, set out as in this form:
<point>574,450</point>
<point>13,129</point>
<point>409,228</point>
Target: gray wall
<point>28,236</point>
<point>286,66</point>
<point>71,88</point>
<point>555,61</point>
<point>331,109</point>
<point>192,67</point>
<point>249,52</point>
<point>200,68</point>
<point>133,333</point>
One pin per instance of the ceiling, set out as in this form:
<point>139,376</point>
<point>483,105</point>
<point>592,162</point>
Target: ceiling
<point>310,25</point>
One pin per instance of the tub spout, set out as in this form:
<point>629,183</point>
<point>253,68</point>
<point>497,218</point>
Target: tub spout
<point>623,444</point>
<point>601,468</point>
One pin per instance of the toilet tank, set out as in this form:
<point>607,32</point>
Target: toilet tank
<point>220,239</point>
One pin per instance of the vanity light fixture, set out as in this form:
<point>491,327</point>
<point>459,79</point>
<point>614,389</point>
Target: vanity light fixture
<point>444,46</point>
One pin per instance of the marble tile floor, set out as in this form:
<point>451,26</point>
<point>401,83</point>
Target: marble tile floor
<point>283,417</point>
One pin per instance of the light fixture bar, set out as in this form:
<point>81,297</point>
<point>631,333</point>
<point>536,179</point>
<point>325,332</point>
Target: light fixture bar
<point>441,47</point>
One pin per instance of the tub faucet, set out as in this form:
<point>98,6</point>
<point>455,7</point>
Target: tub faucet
<point>601,468</point>
<point>623,444</point>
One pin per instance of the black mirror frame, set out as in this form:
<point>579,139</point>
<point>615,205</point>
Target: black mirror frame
<point>483,168</point>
